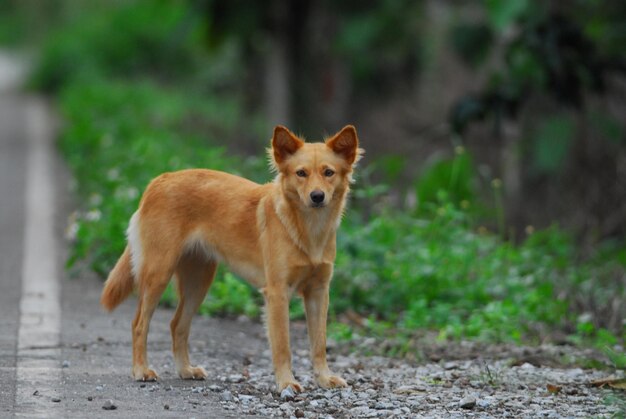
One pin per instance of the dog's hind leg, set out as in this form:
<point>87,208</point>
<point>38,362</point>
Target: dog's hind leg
<point>153,278</point>
<point>194,275</point>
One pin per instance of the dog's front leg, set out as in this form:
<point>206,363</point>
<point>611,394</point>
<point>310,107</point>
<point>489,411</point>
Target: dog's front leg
<point>316,308</point>
<point>277,306</point>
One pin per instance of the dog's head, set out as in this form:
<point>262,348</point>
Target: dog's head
<point>316,174</point>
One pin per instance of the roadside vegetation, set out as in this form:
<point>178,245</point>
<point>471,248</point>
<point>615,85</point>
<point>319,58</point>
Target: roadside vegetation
<point>137,101</point>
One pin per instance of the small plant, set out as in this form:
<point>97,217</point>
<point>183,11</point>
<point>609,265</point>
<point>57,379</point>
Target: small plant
<point>490,377</point>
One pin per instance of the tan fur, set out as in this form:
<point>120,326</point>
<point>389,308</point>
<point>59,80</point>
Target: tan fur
<point>119,284</point>
<point>274,236</point>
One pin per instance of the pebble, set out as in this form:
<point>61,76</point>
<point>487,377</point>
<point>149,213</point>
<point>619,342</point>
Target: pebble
<point>385,387</point>
<point>226,396</point>
<point>287,394</point>
<point>383,406</point>
<point>467,402</point>
<point>65,364</point>
<point>56,400</point>
<point>243,398</point>
<point>236,378</point>
<point>108,405</point>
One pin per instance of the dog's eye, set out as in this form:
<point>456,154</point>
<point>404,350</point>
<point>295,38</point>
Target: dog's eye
<point>301,173</point>
<point>329,172</point>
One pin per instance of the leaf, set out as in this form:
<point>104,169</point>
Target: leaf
<point>553,389</point>
<point>611,381</point>
<point>502,13</point>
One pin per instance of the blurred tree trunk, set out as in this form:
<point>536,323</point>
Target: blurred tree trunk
<point>276,83</point>
<point>511,169</point>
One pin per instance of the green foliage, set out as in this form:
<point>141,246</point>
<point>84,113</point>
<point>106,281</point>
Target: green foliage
<point>472,41</point>
<point>436,272</point>
<point>231,295</point>
<point>551,143</point>
<point>452,176</point>
<point>133,39</point>
<point>375,32</point>
<point>502,13</point>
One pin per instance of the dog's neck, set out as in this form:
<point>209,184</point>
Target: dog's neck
<point>310,229</point>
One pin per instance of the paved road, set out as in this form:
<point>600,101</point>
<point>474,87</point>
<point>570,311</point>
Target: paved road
<point>12,182</point>
<point>60,355</point>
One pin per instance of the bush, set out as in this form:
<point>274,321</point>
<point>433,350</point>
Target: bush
<point>135,39</point>
<point>440,272</point>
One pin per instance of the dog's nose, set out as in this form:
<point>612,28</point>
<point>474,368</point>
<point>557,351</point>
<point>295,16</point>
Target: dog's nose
<point>317,197</point>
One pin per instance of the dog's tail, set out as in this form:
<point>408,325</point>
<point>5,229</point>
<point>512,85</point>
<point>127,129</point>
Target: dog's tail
<point>119,284</point>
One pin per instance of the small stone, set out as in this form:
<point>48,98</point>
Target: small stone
<point>483,404</point>
<point>383,406</point>
<point>56,400</point>
<point>166,407</point>
<point>245,399</point>
<point>36,393</point>
<point>467,402</point>
<point>236,378</point>
<point>65,364</point>
<point>99,388</point>
<point>450,365</point>
<point>89,398</point>
<point>314,403</point>
<point>108,405</point>
<point>287,394</point>
<point>214,387</point>
<point>298,413</point>
<point>226,396</point>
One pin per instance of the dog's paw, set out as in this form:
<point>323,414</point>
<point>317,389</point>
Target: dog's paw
<point>295,386</point>
<point>193,373</point>
<point>144,374</point>
<point>331,381</point>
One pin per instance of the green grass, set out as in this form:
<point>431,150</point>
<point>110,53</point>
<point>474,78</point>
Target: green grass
<point>130,115</point>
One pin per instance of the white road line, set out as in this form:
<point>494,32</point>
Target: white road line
<point>38,365</point>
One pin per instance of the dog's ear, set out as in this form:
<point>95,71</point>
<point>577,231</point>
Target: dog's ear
<point>284,144</point>
<point>346,144</point>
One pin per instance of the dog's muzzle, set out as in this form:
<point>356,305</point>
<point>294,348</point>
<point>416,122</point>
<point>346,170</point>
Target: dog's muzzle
<point>317,199</point>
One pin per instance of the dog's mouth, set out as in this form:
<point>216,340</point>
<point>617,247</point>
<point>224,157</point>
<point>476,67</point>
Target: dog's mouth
<point>318,204</point>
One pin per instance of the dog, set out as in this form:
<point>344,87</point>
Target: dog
<point>280,237</point>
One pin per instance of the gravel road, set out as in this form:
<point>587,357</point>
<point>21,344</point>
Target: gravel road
<point>487,381</point>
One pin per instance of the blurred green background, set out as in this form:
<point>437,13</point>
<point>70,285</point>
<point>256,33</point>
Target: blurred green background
<point>492,200</point>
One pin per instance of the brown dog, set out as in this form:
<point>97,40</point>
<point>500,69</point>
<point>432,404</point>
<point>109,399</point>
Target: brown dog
<point>279,236</point>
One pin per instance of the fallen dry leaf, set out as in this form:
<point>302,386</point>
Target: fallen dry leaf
<point>553,389</point>
<point>611,381</point>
